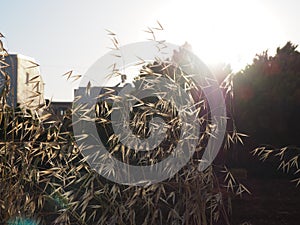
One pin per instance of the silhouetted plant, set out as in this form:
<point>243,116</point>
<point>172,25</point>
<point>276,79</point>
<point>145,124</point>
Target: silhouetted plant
<point>44,177</point>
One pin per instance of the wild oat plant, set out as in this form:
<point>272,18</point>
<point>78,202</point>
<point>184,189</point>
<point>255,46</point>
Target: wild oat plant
<point>44,178</point>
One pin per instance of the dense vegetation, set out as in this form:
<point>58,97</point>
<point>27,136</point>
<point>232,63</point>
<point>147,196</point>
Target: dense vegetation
<point>266,107</point>
<point>44,178</point>
<point>267,97</point>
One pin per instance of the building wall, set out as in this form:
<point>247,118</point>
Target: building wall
<point>11,70</point>
<point>61,109</point>
<point>30,86</point>
<point>26,83</point>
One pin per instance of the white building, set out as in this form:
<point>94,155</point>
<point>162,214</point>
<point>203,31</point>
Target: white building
<point>26,84</point>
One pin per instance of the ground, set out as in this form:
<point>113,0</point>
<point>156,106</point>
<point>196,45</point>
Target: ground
<point>273,201</point>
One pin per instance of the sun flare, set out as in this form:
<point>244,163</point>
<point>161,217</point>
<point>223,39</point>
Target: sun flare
<point>220,31</point>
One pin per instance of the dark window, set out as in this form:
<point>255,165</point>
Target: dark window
<point>27,78</point>
<point>38,87</point>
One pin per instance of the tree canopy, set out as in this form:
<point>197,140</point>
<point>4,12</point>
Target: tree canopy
<point>267,97</point>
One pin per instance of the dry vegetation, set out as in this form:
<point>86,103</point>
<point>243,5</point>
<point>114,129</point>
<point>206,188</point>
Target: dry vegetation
<point>44,177</point>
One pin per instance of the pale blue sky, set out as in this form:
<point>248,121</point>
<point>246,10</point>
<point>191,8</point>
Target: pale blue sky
<point>70,34</point>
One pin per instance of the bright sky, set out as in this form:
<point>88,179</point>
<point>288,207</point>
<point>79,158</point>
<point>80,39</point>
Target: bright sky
<point>70,34</point>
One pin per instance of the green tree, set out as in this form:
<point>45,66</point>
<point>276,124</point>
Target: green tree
<point>267,97</point>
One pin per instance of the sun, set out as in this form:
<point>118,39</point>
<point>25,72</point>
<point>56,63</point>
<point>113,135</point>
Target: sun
<point>221,31</point>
